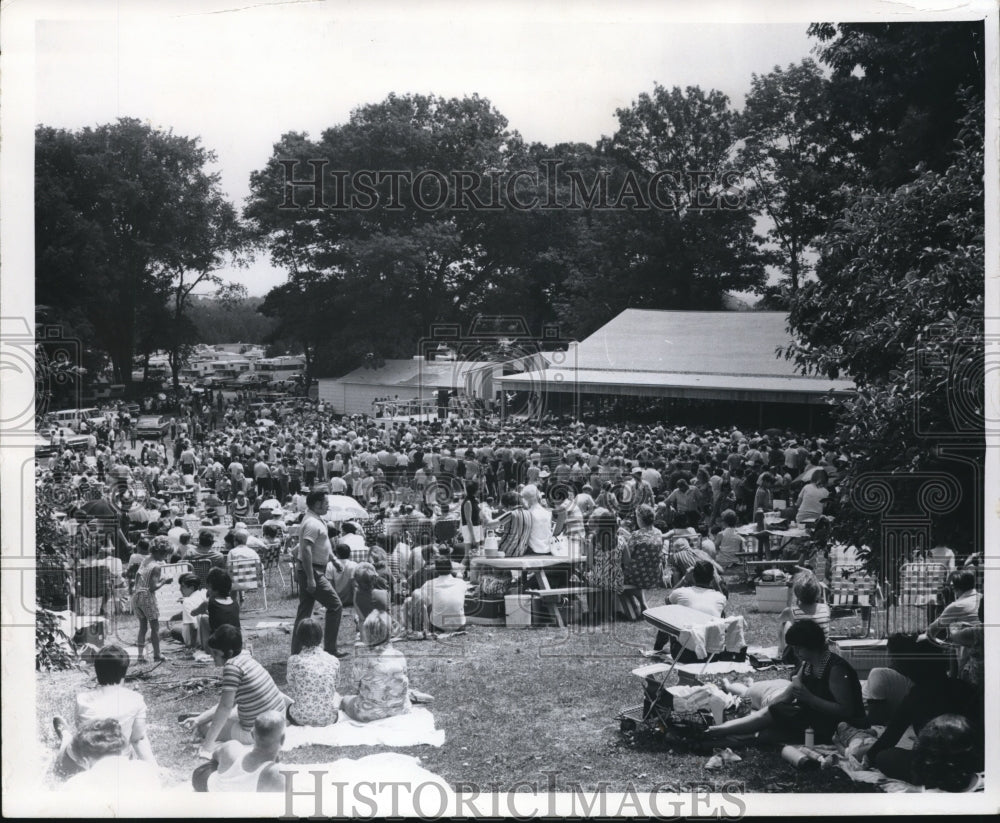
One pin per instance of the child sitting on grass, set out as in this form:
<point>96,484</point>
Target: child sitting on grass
<point>370,591</point>
<point>808,606</point>
<point>193,595</point>
<point>109,700</point>
<point>219,608</point>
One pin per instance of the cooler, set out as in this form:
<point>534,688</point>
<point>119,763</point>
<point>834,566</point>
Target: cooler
<point>772,597</point>
<point>518,611</point>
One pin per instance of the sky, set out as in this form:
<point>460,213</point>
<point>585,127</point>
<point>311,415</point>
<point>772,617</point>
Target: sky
<point>240,79</point>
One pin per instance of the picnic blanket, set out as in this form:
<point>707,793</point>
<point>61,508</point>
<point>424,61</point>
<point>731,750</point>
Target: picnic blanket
<point>415,728</point>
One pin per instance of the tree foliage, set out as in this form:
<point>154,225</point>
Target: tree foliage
<point>789,149</point>
<point>229,321</point>
<point>127,219</point>
<point>686,256</point>
<point>897,89</point>
<point>898,305</point>
<point>419,266</point>
<point>54,557</point>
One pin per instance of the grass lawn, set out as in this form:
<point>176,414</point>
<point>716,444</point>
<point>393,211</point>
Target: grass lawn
<point>531,705</point>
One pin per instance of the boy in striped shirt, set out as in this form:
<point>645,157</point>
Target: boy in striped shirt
<point>247,692</point>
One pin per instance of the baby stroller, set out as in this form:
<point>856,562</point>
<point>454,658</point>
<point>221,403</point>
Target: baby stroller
<point>689,702</point>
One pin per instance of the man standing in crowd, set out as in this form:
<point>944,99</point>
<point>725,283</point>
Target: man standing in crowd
<point>315,552</point>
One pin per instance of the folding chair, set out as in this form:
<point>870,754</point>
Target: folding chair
<point>248,576</point>
<point>857,592</point>
<point>919,585</point>
<point>270,559</point>
<point>94,592</point>
<point>201,568</point>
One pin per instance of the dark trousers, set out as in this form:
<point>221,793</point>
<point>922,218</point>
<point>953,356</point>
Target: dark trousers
<point>325,594</point>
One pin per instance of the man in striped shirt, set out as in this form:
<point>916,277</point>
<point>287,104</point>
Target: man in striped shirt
<point>247,692</point>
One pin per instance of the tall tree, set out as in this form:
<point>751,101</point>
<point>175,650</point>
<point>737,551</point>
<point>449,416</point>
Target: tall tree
<point>898,305</point>
<point>125,214</point>
<point>698,240</point>
<point>396,259</point>
<point>896,86</point>
<point>793,164</point>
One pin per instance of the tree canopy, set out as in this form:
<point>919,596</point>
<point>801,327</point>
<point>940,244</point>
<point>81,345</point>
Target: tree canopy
<point>127,217</point>
<point>898,305</point>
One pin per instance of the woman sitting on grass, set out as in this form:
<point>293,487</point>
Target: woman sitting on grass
<point>824,692</point>
<point>312,678</point>
<point>932,694</point>
<point>218,609</point>
<point>380,674</point>
<point>98,746</point>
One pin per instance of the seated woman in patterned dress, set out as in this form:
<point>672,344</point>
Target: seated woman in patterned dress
<point>643,566</point>
<point>380,673</point>
<point>604,561</point>
<point>312,679</point>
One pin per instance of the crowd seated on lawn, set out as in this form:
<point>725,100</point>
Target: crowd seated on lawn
<point>646,506</point>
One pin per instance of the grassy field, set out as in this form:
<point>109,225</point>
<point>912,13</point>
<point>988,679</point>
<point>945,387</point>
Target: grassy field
<point>535,706</point>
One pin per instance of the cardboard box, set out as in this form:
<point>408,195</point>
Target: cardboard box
<point>772,597</point>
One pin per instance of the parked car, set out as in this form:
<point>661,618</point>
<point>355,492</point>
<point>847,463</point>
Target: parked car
<point>55,434</point>
<point>152,425</point>
<point>79,420</point>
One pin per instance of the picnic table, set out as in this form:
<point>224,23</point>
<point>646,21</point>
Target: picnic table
<point>546,595</point>
<point>783,536</point>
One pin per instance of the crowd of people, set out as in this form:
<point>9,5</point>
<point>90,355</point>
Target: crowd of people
<point>638,507</point>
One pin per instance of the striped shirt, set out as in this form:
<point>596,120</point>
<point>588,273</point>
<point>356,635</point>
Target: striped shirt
<point>820,615</point>
<point>253,688</point>
<point>516,526</point>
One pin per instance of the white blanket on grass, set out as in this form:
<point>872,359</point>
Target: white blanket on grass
<point>415,728</point>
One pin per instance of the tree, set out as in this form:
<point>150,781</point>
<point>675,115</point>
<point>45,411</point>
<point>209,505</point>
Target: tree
<point>896,87</point>
<point>125,215</point>
<point>898,305</point>
<point>397,258</point>
<point>790,153</point>
<point>698,241</point>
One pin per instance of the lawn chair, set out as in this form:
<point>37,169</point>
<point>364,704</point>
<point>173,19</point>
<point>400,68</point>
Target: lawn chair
<point>270,559</point>
<point>92,599</point>
<point>248,576</point>
<point>855,593</point>
<point>920,584</point>
<point>200,567</point>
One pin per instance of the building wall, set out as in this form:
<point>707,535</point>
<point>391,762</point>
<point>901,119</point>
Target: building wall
<point>351,398</point>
